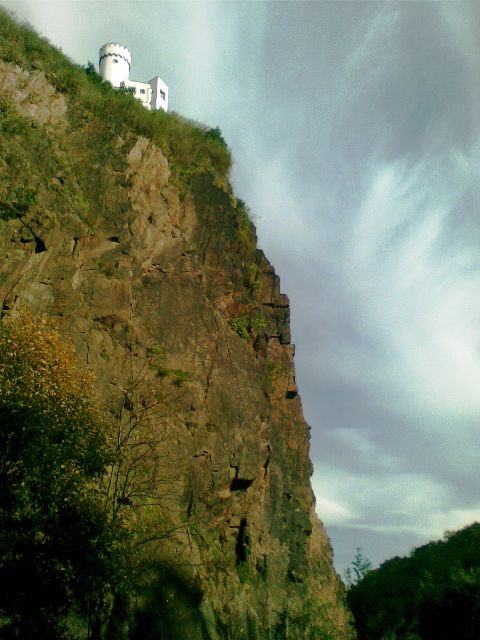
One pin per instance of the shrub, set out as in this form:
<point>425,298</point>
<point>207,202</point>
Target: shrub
<point>253,278</point>
<point>16,203</point>
<point>246,229</point>
<point>177,376</point>
<point>248,326</point>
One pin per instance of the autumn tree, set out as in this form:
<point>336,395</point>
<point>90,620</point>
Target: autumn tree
<point>57,545</point>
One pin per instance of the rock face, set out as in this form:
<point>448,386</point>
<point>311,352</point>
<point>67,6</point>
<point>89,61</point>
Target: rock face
<point>157,280</point>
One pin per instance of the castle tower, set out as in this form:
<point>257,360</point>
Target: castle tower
<point>114,63</point>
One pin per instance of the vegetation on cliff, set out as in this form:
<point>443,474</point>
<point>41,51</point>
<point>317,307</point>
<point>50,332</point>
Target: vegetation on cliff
<point>434,594</point>
<point>191,147</point>
<point>60,547</point>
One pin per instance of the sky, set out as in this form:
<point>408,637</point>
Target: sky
<point>355,132</point>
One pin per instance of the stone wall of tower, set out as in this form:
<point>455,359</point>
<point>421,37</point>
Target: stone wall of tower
<point>114,63</point>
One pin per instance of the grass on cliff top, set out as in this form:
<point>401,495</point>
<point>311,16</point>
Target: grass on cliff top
<point>190,147</point>
<point>104,124</point>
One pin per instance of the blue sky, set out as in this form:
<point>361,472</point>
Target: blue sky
<point>355,132</point>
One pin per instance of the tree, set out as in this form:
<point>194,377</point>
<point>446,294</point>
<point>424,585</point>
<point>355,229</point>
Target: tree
<point>216,134</point>
<point>142,486</point>
<point>358,570</point>
<point>57,546</point>
<point>433,594</point>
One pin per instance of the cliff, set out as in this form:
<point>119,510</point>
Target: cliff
<point>121,226</point>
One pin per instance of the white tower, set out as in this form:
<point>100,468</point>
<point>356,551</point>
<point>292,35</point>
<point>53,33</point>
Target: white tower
<point>114,63</point>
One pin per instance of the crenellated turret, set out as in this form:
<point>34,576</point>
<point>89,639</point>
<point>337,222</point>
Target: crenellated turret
<point>114,65</point>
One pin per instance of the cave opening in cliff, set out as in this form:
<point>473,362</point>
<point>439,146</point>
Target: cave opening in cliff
<point>241,545</point>
<point>240,484</point>
<point>39,245</point>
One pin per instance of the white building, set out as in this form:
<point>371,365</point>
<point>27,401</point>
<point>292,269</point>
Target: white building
<point>114,64</point>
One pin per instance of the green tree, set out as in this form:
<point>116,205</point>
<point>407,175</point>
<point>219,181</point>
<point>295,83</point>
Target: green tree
<point>216,134</point>
<point>434,594</point>
<point>57,545</point>
<point>359,568</point>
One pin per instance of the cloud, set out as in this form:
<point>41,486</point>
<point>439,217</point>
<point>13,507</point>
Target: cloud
<point>461,28</point>
<point>332,512</point>
<point>408,279</point>
<point>396,502</point>
<point>416,293</point>
<point>395,499</point>
<point>371,46</point>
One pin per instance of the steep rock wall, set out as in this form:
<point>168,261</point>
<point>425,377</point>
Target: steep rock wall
<point>160,286</point>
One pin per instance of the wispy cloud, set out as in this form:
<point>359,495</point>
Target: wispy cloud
<point>398,502</point>
<point>416,293</point>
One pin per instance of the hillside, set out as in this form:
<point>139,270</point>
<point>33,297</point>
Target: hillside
<point>121,227</point>
<point>434,594</point>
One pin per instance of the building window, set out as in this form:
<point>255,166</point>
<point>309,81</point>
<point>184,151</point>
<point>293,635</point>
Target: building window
<point>162,94</point>
<point>115,61</point>
<point>142,90</point>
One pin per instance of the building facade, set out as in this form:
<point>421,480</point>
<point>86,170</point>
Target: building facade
<point>114,65</point>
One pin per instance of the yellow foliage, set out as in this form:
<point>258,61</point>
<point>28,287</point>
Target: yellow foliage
<point>39,367</point>
<point>39,375</point>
